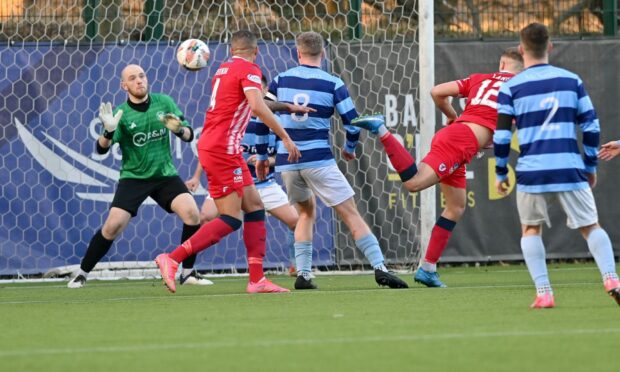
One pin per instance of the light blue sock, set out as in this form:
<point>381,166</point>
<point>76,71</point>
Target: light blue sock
<point>303,257</point>
<point>370,248</point>
<point>291,246</point>
<point>600,247</point>
<point>534,254</point>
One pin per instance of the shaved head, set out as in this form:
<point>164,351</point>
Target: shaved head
<point>243,42</point>
<point>131,70</point>
<point>135,83</point>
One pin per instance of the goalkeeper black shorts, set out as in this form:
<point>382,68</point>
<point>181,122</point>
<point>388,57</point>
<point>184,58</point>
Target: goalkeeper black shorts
<point>131,192</point>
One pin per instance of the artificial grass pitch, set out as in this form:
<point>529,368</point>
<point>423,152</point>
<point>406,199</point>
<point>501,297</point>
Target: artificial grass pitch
<point>481,322</point>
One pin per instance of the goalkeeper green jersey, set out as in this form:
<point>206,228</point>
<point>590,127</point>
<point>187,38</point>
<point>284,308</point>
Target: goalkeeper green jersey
<point>143,138</point>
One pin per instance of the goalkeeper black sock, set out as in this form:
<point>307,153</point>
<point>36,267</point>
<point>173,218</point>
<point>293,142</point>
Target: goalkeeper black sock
<point>97,248</point>
<point>188,231</point>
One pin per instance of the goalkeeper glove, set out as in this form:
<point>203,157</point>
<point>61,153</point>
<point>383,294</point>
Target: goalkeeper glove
<point>109,120</point>
<point>172,122</point>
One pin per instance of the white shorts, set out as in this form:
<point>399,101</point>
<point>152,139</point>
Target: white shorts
<point>272,196</point>
<point>578,205</point>
<point>328,183</point>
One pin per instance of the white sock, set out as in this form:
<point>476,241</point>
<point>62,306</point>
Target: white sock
<point>382,131</point>
<point>430,267</point>
<point>186,272</point>
<point>381,267</point>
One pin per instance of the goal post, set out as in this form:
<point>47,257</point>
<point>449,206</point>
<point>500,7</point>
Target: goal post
<point>428,201</point>
<point>61,58</point>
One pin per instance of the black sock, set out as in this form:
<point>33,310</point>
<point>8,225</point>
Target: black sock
<point>188,231</point>
<point>97,248</point>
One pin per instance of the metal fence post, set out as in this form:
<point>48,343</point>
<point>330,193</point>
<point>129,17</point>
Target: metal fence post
<point>89,13</point>
<point>610,17</point>
<point>354,19</point>
<point>154,11</point>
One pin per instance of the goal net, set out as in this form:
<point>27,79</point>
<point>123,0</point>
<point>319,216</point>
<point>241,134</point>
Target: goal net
<point>61,58</point>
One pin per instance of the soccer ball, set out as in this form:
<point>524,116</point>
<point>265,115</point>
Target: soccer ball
<point>193,54</point>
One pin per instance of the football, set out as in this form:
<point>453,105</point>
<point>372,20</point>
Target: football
<point>193,54</point>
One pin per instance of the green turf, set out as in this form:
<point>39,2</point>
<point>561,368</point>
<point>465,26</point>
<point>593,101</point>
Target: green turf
<point>480,323</point>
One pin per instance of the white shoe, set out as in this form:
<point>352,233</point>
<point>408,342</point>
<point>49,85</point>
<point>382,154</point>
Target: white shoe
<point>77,282</point>
<point>194,279</point>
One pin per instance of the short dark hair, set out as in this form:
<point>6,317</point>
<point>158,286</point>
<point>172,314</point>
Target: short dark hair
<point>535,39</point>
<point>244,39</point>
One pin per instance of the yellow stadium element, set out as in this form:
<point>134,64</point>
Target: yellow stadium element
<point>514,142</point>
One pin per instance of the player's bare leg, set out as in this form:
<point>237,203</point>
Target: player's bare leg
<point>288,215</point>
<point>184,205</point>
<point>303,243</point>
<point>208,211</point>
<point>452,213</point>
<point>254,236</point>
<point>423,179</point>
<point>366,242</point>
<point>100,244</point>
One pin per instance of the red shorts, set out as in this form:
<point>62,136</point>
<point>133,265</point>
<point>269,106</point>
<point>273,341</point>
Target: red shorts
<point>225,173</point>
<point>452,147</point>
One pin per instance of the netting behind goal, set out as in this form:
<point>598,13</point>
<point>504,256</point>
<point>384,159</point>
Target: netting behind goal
<point>61,58</point>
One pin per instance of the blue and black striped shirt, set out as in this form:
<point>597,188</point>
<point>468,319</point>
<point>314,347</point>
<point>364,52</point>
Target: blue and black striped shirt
<point>547,103</point>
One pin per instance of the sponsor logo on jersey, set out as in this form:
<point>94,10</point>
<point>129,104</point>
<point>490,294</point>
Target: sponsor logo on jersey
<point>238,175</point>
<point>140,139</point>
<point>454,167</point>
<point>254,78</point>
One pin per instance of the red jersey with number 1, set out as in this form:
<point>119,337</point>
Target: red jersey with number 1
<point>229,111</point>
<point>481,92</point>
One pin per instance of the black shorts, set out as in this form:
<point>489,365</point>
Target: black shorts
<point>131,192</point>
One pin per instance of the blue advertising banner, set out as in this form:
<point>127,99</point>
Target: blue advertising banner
<point>55,190</point>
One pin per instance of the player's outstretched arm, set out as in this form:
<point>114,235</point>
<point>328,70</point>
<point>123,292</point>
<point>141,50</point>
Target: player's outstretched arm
<point>609,150</point>
<point>261,110</point>
<point>287,107</point>
<point>441,94</point>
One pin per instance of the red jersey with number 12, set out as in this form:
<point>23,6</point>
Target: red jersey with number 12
<point>481,91</point>
<point>229,111</point>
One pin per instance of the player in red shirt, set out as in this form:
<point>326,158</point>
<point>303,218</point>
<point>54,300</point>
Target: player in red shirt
<point>452,147</point>
<point>236,93</point>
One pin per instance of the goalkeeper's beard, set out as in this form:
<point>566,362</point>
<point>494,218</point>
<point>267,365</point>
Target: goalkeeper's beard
<point>139,95</point>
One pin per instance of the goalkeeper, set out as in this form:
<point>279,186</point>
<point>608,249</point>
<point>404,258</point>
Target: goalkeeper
<point>141,126</point>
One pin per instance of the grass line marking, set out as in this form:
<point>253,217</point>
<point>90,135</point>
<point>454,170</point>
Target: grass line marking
<point>295,342</point>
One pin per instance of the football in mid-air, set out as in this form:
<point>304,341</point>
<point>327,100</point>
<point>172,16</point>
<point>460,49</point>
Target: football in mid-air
<point>193,54</point>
